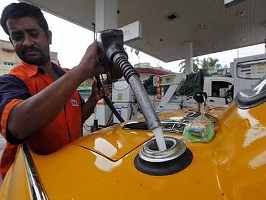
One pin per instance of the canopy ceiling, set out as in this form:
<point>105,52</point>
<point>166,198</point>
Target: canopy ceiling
<point>207,23</point>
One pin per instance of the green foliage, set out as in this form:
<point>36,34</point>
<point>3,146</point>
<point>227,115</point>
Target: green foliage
<point>208,65</point>
<point>192,84</point>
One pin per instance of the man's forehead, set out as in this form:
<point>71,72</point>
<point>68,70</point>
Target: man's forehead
<point>23,23</point>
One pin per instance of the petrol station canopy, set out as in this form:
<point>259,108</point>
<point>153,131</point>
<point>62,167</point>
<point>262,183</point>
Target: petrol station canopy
<point>167,26</point>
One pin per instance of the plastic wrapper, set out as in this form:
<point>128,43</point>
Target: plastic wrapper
<point>200,129</point>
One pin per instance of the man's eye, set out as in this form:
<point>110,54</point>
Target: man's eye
<point>34,34</point>
<point>17,37</point>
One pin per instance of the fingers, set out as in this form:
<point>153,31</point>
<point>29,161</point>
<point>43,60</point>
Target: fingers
<point>89,60</point>
<point>99,69</point>
<point>108,89</point>
<point>99,93</point>
<point>96,93</point>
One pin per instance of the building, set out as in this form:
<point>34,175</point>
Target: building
<point>146,70</point>
<point>9,59</point>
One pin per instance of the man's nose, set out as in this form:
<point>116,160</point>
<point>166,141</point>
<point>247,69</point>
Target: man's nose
<point>28,41</point>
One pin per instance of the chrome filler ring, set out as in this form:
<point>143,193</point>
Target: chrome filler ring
<point>174,149</point>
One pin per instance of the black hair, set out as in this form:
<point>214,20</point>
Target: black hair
<point>18,10</point>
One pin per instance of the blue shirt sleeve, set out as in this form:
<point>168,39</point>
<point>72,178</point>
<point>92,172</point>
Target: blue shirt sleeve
<point>11,87</point>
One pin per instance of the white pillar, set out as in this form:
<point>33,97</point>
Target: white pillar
<point>189,57</point>
<point>106,16</point>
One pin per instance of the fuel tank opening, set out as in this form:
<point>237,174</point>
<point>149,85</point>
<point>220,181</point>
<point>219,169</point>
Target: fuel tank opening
<point>159,163</point>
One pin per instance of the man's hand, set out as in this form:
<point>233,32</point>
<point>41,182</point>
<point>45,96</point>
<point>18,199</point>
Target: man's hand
<point>96,95</point>
<point>88,64</point>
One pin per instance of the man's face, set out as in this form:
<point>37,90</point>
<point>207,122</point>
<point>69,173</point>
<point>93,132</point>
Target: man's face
<point>30,41</point>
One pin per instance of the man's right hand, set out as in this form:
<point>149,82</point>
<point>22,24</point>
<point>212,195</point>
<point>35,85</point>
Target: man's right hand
<point>88,64</point>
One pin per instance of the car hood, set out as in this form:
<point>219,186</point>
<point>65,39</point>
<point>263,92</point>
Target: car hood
<point>114,142</point>
<point>101,166</point>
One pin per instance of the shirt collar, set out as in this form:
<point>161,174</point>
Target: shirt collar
<point>33,70</point>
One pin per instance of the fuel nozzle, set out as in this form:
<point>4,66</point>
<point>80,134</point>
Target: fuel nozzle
<point>111,43</point>
<point>115,59</point>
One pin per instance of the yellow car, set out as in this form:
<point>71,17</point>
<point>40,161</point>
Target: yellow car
<point>104,165</point>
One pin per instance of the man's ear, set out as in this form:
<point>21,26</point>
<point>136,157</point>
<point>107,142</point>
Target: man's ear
<point>49,34</point>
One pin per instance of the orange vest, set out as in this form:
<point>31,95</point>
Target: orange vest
<point>66,127</point>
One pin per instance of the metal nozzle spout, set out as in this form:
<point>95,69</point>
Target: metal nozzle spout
<point>131,76</point>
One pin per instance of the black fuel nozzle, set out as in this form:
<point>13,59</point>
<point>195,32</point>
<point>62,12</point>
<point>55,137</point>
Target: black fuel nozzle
<point>111,43</point>
<point>114,56</point>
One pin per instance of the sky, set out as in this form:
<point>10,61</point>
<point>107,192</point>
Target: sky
<point>70,42</point>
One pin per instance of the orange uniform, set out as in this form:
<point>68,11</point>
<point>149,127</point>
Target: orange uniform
<point>22,82</point>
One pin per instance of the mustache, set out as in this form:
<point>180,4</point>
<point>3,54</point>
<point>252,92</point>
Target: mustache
<point>32,48</point>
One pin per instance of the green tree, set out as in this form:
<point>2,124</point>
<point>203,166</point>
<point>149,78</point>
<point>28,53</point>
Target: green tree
<point>210,65</point>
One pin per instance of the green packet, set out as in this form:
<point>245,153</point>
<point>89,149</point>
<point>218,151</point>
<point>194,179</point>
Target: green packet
<point>200,129</point>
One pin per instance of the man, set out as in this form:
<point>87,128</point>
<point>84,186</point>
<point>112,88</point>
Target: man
<point>39,103</point>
